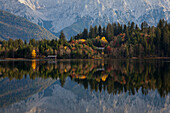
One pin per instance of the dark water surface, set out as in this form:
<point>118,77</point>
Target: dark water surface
<point>85,86</point>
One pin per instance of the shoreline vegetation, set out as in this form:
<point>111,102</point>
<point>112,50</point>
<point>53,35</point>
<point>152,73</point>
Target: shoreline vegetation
<point>132,58</point>
<point>114,41</point>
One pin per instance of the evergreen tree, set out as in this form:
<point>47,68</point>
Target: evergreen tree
<point>160,24</point>
<point>145,26</point>
<point>132,26</point>
<point>95,31</point>
<point>62,38</point>
<point>91,33</point>
<point>124,29</point>
<point>127,37</point>
<point>129,25</point>
<point>119,28</point>
<point>104,31</point>
<point>114,29</point>
<point>25,42</point>
<point>85,34</point>
<point>100,30</point>
<point>109,32</point>
<point>71,39</point>
<point>137,28</point>
<point>157,40</point>
<point>165,40</point>
<point>142,27</point>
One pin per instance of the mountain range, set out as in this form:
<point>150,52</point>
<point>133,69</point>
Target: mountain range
<point>72,16</point>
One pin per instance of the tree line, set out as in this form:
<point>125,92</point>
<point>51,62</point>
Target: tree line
<point>117,41</point>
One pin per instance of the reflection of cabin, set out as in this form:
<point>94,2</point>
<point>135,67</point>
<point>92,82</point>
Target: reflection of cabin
<point>52,57</point>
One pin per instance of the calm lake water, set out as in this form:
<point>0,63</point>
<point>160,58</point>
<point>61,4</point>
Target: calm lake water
<point>85,86</point>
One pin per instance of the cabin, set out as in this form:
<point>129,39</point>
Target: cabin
<point>52,57</point>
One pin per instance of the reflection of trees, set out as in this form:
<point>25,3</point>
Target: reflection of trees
<point>115,76</point>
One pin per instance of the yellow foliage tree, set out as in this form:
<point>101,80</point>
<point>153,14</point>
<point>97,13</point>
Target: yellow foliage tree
<point>33,53</point>
<point>104,39</point>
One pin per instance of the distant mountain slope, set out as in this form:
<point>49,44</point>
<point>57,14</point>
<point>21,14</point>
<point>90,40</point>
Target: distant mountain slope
<point>57,15</point>
<point>15,27</point>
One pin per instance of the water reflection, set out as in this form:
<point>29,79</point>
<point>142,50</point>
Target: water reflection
<point>113,76</point>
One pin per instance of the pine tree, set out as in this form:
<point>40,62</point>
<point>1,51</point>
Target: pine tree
<point>132,26</point>
<point>137,28</point>
<point>165,40</point>
<point>71,39</point>
<point>95,31</point>
<point>25,42</point>
<point>160,24</point>
<point>114,29</point>
<point>124,29</point>
<point>109,32</point>
<point>145,26</point>
<point>158,40</point>
<point>85,34</point>
<point>119,28</point>
<point>142,27</point>
<point>100,30</point>
<point>91,33</point>
<point>62,38</point>
<point>104,31</point>
<point>127,37</point>
<point>129,25</point>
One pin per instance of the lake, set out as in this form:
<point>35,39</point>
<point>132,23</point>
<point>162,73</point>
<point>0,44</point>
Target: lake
<point>84,86</point>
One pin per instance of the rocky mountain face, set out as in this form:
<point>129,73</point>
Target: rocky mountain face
<point>72,16</point>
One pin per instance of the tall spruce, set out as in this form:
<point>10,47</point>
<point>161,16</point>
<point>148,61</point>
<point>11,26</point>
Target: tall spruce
<point>96,31</point>
<point>100,30</point>
<point>92,32</point>
<point>85,34</point>
<point>109,32</point>
<point>62,38</point>
<point>104,31</point>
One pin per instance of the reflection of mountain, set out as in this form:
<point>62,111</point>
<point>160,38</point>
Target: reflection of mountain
<point>70,100</point>
<point>17,90</point>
